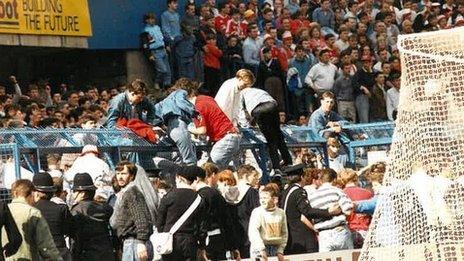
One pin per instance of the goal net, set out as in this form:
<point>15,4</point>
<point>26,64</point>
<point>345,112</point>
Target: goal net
<point>420,210</point>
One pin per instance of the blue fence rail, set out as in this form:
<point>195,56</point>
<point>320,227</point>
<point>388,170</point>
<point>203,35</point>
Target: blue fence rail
<point>31,146</point>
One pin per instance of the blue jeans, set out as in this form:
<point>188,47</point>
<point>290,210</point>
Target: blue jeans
<point>162,67</point>
<point>225,150</point>
<point>362,106</point>
<point>186,68</point>
<point>129,250</point>
<point>335,239</point>
<point>177,129</point>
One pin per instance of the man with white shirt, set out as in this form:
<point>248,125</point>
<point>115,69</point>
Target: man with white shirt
<point>263,108</point>
<point>333,233</point>
<point>322,76</point>
<point>228,96</point>
<point>393,97</point>
<point>343,40</point>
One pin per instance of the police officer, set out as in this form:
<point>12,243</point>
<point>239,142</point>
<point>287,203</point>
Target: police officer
<point>57,216</point>
<point>294,200</point>
<point>92,239</point>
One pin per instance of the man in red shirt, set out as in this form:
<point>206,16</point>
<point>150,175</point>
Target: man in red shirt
<point>357,222</point>
<point>213,123</point>
<point>220,21</point>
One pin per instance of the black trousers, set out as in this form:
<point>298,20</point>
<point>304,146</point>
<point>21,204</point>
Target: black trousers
<point>216,248</point>
<point>212,80</point>
<point>266,116</point>
<point>184,247</point>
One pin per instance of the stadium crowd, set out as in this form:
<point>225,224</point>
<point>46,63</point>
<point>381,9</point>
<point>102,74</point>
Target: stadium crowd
<point>316,64</point>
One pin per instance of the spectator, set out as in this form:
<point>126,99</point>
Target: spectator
<point>301,239</point>
<point>191,235</point>
<point>90,222</point>
<point>235,26</point>
<point>170,21</point>
<point>268,67</point>
<point>267,17</point>
<point>337,161</point>
<point>176,111</point>
<point>251,48</point>
<point>332,48</point>
<point>184,49</point>
<point>317,40</point>
<point>321,77</point>
<point>220,235</point>
<point>89,162</point>
<point>344,90</point>
<point>325,17</point>
<point>333,233</point>
<point>393,97</point>
<point>383,58</point>
<point>57,216</point>
<point>302,62</point>
<point>12,232</point>
<point>190,18</point>
<point>221,20</point>
<point>324,121</point>
<point>233,56</point>
<point>343,41</point>
<point>212,64</point>
<point>158,54</point>
<point>377,100</point>
<point>243,205</point>
<point>263,108</point>
<point>268,226</point>
<point>215,124</point>
<point>37,240</point>
<point>358,223</point>
<point>293,6</point>
<point>365,81</point>
<point>131,104</point>
<point>228,96</point>
<point>133,213</point>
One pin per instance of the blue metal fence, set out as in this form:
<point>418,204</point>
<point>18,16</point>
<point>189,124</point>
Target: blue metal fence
<point>30,147</point>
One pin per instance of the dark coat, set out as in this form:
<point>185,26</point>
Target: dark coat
<point>58,218</point>
<point>14,237</point>
<point>301,239</point>
<point>91,235</point>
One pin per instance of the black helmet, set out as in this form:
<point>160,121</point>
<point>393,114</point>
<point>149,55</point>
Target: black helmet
<point>83,181</point>
<point>43,182</point>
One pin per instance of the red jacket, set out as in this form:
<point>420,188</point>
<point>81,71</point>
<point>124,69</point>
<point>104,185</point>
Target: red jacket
<point>220,22</point>
<point>139,127</point>
<point>212,55</point>
<point>235,28</point>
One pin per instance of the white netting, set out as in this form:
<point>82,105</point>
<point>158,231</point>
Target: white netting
<point>420,213</point>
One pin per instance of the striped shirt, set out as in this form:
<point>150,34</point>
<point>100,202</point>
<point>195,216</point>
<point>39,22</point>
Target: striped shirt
<point>325,197</point>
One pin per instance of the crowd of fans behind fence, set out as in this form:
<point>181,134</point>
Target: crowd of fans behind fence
<point>296,48</point>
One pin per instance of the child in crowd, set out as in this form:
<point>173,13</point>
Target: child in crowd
<point>233,56</point>
<point>268,226</point>
<point>212,64</point>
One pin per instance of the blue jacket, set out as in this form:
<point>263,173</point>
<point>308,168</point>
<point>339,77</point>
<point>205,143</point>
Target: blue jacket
<point>367,206</point>
<point>303,66</point>
<point>121,108</point>
<point>319,119</point>
<point>176,104</point>
<point>170,23</point>
<point>324,18</point>
<point>184,46</point>
<point>156,35</point>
